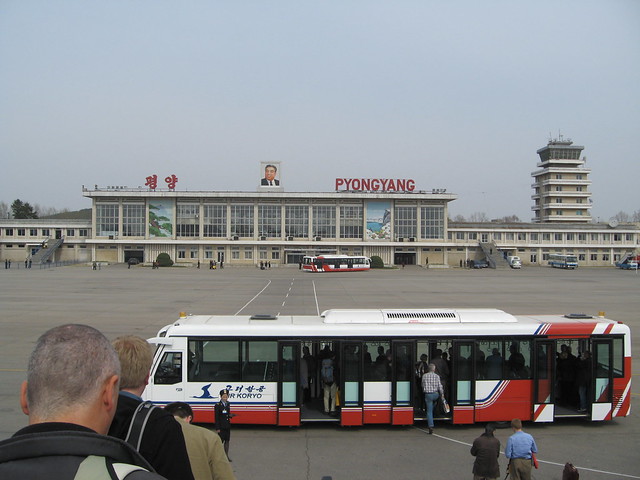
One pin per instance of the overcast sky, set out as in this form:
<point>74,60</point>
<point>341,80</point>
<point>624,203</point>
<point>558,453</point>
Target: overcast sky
<point>454,94</point>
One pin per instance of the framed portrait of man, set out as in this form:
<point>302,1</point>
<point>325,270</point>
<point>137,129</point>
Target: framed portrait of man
<point>270,174</point>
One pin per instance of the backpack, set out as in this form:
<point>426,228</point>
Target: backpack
<point>95,468</point>
<point>570,472</point>
<point>327,371</point>
<point>138,424</point>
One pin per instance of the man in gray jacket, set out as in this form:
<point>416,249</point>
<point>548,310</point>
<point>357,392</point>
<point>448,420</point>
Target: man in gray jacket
<point>70,397</point>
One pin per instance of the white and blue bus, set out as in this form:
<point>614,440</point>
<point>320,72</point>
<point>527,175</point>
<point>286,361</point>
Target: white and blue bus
<point>557,260</point>
<point>501,366</point>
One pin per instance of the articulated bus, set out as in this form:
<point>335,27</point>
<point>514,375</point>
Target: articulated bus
<point>501,366</point>
<point>335,263</point>
<point>563,261</point>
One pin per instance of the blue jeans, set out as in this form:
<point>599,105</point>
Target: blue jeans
<point>582,392</point>
<point>430,399</point>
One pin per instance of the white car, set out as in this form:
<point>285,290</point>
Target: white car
<point>514,262</point>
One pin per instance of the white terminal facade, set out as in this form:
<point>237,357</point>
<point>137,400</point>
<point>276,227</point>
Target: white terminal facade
<point>389,218</point>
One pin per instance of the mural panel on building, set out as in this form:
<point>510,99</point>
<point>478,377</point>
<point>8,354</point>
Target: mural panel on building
<point>378,220</point>
<point>161,218</point>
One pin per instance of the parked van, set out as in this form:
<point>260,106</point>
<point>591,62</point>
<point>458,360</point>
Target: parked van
<point>514,262</point>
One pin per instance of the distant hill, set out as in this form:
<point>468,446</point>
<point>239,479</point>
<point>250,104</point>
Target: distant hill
<point>84,214</point>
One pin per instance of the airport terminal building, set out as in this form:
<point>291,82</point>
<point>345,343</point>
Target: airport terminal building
<point>401,225</point>
<point>386,217</point>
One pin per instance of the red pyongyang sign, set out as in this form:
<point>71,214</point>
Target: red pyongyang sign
<point>376,184</point>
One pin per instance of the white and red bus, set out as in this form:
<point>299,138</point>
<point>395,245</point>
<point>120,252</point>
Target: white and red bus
<point>501,366</point>
<point>335,263</point>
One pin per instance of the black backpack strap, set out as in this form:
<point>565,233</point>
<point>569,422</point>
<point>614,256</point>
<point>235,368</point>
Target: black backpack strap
<point>69,443</point>
<point>138,424</point>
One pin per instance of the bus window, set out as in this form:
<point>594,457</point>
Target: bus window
<point>519,361</point>
<point>403,364</point>
<point>217,361</point>
<point>380,369</point>
<point>545,362</point>
<point>618,357</point>
<point>494,359</point>
<point>170,370</point>
<point>260,361</point>
<point>464,374</point>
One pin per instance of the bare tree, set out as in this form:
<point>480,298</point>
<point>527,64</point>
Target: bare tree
<point>478,217</point>
<point>636,216</point>
<point>510,219</point>
<point>459,218</point>
<point>4,210</point>
<point>622,217</point>
<point>48,211</point>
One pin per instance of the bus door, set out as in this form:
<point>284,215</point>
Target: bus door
<point>289,383</point>
<point>544,367</point>
<point>601,395</point>
<point>168,374</point>
<point>351,385</point>
<point>402,374</point>
<point>462,401</point>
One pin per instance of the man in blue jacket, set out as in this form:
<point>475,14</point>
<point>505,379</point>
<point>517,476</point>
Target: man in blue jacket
<point>520,448</point>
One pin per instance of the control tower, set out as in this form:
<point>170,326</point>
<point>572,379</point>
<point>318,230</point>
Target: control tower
<point>561,184</point>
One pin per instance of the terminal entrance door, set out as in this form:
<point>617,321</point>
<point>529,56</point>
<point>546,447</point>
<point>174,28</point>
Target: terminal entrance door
<point>405,258</point>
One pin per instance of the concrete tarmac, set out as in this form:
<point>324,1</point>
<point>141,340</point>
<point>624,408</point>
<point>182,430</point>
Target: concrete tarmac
<point>140,300</point>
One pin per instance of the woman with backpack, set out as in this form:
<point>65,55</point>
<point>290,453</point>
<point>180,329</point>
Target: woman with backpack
<point>329,383</point>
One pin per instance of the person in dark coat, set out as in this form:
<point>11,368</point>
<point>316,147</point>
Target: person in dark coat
<point>70,398</point>
<point>583,379</point>
<point>223,419</point>
<point>162,443</point>
<point>486,449</point>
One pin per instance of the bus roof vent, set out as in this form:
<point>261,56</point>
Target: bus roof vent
<point>263,316</point>
<point>391,316</point>
<point>575,316</point>
<point>420,316</point>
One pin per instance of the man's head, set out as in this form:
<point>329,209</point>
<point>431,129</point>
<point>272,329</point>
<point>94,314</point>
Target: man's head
<point>489,428</point>
<point>516,424</point>
<point>431,367</point>
<point>72,377</point>
<point>181,410</point>
<point>135,360</point>
<point>270,172</point>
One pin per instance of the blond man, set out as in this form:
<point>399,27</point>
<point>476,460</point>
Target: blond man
<point>162,442</point>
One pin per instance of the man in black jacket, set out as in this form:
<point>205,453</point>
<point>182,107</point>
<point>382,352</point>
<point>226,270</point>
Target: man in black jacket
<point>70,397</point>
<point>486,449</point>
<point>162,442</point>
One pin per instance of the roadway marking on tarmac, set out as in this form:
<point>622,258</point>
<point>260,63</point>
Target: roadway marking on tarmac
<point>256,296</point>
<point>287,295</point>
<point>453,440</point>
<point>315,296</point>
